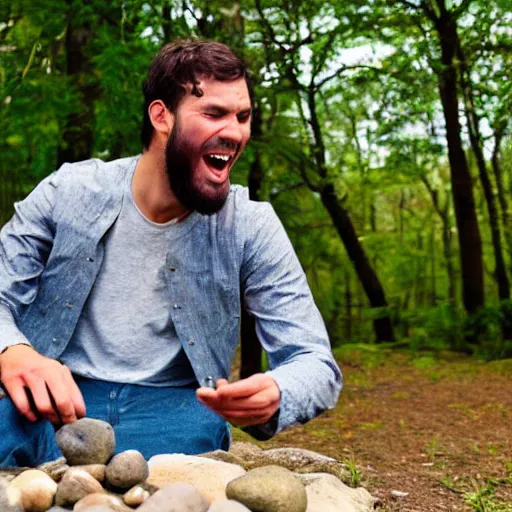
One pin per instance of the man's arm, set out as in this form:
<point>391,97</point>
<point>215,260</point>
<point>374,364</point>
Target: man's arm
<point>292,333</point>
<point>25,244</point>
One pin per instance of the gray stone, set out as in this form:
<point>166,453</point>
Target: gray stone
<point>295,459</point>
<point>59,509</point>
<point>176,497</point>
<point>223,456</point>
<point>127,469</point>
<point>55,468</point>
<point>75,484</point>
<point>269,489</point>
<point>327,494</point>
<point>228,506</point>
<point>10,499</point>
<point>209,477</point>
<point>86,441</point>
<point>37,490</point>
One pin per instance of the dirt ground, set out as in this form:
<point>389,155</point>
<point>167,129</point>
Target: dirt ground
<point>435,426</point>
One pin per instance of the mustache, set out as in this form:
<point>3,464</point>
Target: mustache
<point>218,143</point>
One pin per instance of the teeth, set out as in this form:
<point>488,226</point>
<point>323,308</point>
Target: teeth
<point>225,158</point>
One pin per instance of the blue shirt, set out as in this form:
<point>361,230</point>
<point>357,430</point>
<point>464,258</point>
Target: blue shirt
<point>52,249</point>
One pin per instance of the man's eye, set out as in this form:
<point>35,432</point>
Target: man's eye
<point>244,117</point>
<point>214,115</point>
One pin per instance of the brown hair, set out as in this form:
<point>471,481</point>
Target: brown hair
<point>186,62</point>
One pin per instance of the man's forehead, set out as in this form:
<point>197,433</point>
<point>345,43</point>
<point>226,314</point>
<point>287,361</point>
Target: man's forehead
<point>229,93</point>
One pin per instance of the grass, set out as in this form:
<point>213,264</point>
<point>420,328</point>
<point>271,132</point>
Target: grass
<point>355,473</point>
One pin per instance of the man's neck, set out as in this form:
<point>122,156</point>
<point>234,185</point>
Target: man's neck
<point>151,190</point>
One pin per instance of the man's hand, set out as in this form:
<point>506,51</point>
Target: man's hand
<point>251,401</point>
<point>21,367</point>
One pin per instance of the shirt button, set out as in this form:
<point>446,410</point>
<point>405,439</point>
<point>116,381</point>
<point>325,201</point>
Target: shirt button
<point>171,269</point>
<point>113,394</point>
<point>191,342</point>
<point>54,340</point>
<point>176,306</point>
<point>90,259</point>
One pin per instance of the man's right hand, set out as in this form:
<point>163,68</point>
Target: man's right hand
<point>22,367</point>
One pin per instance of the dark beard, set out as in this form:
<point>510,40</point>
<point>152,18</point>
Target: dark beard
<point>178,156</point>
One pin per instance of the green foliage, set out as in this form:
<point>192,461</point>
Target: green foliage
<point>369,71</point>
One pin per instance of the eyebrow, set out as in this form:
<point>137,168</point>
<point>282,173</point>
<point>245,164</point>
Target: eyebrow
<point>223,110</point>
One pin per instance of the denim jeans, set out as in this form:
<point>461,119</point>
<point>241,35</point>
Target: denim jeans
<point>149,419</point>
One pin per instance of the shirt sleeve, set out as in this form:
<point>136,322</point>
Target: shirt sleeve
<point>25,244</point>
<point>288,324</point>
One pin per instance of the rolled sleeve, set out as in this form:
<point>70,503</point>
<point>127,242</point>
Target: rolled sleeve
<point>25,243</point>
<point>289,325</point>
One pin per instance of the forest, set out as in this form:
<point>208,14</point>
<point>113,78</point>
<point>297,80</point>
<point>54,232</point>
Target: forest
<point>380,134</point>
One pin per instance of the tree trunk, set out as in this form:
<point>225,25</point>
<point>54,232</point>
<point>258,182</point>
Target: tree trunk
<point>470,243</point>
<point>475,137</point>
<point>348,308</point>
<point>78,133</point>
<point>502,196</point>
<point>356,253</point>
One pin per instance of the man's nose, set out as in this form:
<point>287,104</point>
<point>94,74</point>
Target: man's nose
<point>233,131</point>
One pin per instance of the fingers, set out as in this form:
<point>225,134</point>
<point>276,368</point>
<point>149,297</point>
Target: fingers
<point>19,397</point>
<point>250,401</point>
<point>41,398</point>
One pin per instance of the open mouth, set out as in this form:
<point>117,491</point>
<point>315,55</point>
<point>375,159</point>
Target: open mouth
<point>218,161</point>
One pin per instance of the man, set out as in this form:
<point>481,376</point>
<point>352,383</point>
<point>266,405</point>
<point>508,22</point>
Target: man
<point>120,285</point>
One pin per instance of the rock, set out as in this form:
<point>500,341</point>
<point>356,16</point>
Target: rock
<point>269,489</point>
<point>107,500</point>
<point>228,506</point>
<point>58,509</point>
<point>248,452</point>
<point>223,456</point>
<point>127,469</point>
<point>75,484</point>
<point>208,476</point>
<point>10,498</point>
<point>178,497</point>
<point>136,496</point>
<point>97,471</point>
<point>86,441</point>
<point>55,469</point>
<point>327,494</point>
<point>99,508</point>
<point>37,490</point>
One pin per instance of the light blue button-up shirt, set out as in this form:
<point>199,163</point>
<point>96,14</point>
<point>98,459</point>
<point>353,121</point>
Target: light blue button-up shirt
<point>52,249</point>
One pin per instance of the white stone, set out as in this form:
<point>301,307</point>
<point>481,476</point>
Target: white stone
<point>209,477</point>
<point>326,493</point>
<point>37,490</point>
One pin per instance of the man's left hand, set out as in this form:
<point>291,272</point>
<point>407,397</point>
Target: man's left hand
<point>251,401</point>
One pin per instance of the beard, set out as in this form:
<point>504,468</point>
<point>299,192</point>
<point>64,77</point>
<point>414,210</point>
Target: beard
<point>205,198</point>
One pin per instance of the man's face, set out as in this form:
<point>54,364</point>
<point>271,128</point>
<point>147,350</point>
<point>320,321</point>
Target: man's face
<point>208,135</point>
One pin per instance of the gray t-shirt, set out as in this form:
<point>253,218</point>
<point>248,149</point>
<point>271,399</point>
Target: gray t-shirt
<point>125,332</point>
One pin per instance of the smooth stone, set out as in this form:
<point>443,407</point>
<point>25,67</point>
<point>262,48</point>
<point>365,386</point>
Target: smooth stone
<point>86,441</point>
<point>10,498</point>
<point>127,469</point>
<point>208,476</point>
<point>37,490</point>
<point>107,500</point>
<point>178,497</point>
<point>228,506</point>
<point>97,471</point>
<point>328,494</point>
<point>136,496</point>
<point>75,484</point>
<point>55,468</point>
<point>269,489</point>
<point>58,509</point>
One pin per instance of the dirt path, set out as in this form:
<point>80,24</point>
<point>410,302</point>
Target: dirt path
<point>433,428</point>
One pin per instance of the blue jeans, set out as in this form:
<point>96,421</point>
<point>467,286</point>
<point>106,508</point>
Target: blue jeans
<point>149,419</point>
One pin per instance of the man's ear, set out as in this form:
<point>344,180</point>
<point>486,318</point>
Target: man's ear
<point>161,119</point>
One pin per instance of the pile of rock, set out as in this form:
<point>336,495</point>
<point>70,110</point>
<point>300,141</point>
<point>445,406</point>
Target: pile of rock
<point>247,478</point>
